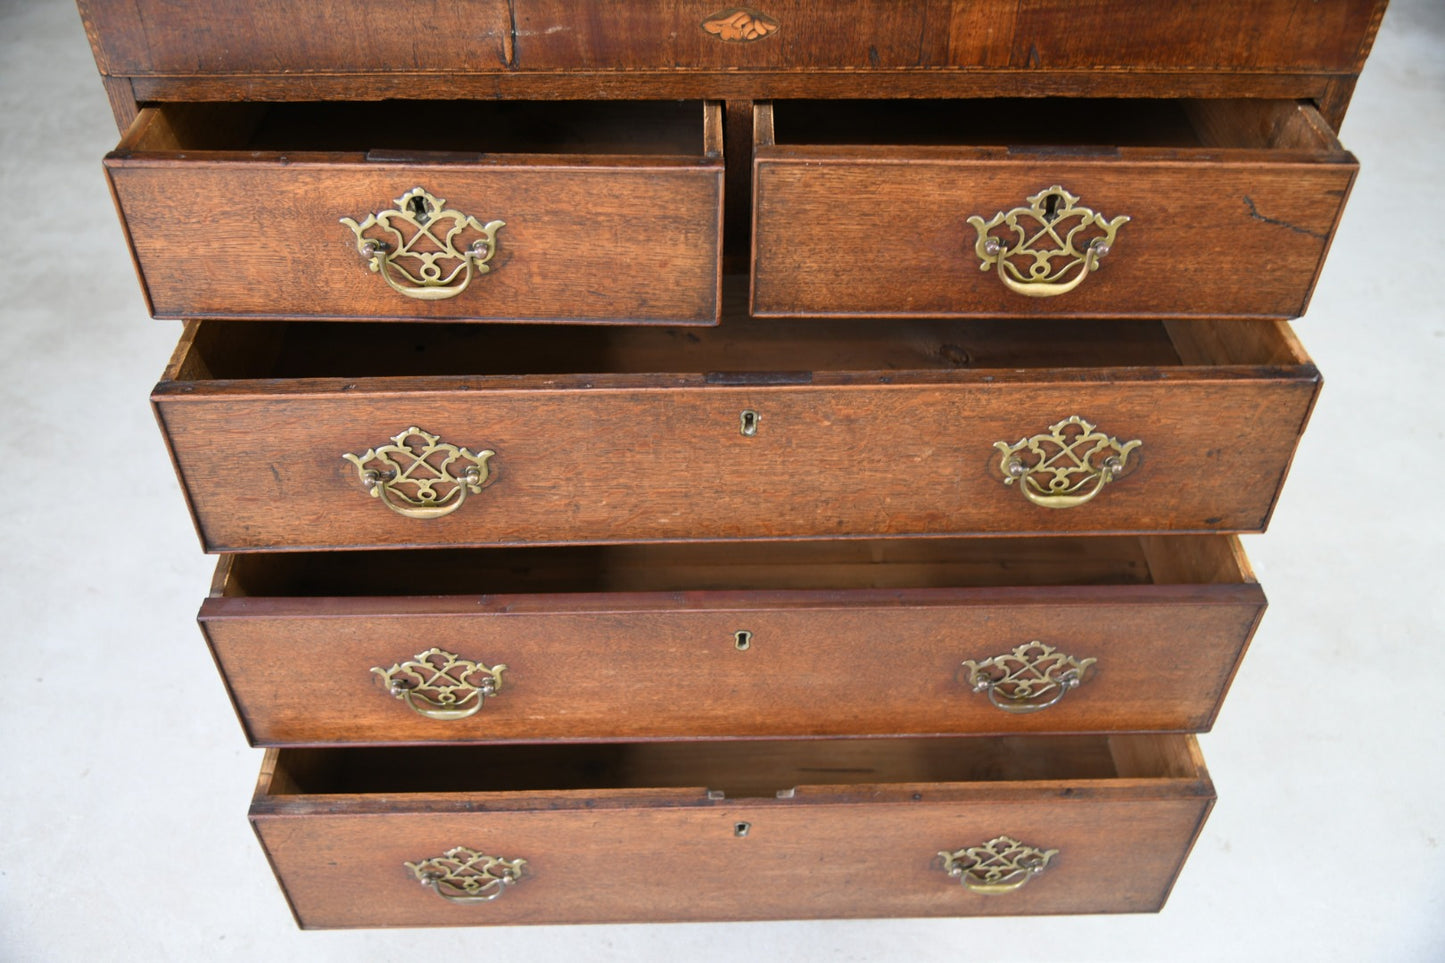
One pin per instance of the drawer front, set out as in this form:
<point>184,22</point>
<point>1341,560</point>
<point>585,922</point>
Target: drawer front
<point>153,37</point>
<point>641,856</point>
<point>909,229</point>
<point>676,458</point>
<point>638,665</point>
<point>634,240</point>
<point>689,864</point>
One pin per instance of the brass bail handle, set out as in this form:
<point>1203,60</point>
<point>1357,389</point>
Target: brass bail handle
<point>441,685</point>
<point>424,249</point>
<point>1030,678</point>
<point>1066,466</point>
<point>1046,236</point>
<point>420,476</point>
<point>1001,865</point>
<point>468,876</point>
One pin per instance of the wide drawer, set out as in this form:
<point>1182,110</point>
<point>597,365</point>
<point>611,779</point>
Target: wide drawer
<point>466,211</point>
<point>1012,208</point>
<point>321,435</point>
<point>730,831</point>
<point>757,639</point>
<point>327,436</point>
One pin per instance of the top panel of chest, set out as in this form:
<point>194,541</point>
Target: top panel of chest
<point>639,49</point>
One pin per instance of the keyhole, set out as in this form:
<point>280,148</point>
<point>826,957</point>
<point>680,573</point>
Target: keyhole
<point>741,829</point>
<point>1051,207</point>
<point>742,640</point>
<point>417,206</point>
<point>749,422</point>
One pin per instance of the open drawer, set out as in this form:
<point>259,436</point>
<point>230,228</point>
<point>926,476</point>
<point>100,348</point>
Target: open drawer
<point>730,831</point>
<point>604,212</point>
<point>319,436</point>
<point>717,640</point>
<point>1065,208</point>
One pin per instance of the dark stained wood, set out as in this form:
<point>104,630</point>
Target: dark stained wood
<point>155,38</point>
<point>637,438</point>
<point>891,809</point>
<point>1232,213</point>
<point>141,37</point>
<point>732,85</point>
<point>123,104</point>
<point>619,221</point>
<point>870,642</point>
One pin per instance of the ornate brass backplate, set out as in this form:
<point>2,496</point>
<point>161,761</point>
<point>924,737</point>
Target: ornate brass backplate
<point>419,475</point>
<point>1065,466</point>
<point>422,248</point>
<point>464,875</point>
<point>1000,865</point>
<point>740,25</point>
<point>1048,247</point>
<point>441,685</point>
<point>1033,676</point>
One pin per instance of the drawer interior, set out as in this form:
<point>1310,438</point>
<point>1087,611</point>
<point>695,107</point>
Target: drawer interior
<point>1088,126</point>
<point>263,350</point>
<point>407,130</point>
<point>735,768</point>
<point>850,565</point>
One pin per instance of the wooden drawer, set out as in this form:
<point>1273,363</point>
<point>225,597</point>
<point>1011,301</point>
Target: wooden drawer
<point>999,208</point>
<point>753,639</point>
<point>750,430</point>
<point>724,831</point>
<point>581,212</point>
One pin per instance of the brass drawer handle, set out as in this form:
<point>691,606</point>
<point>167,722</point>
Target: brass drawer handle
<point>1031,678</point>
<point>1065,466</point>
<point>462,875</point>
<point>1044,257</point>
<point>422,248</point>
<point>999,866</point>
<point>419,475</point>
<point>441,685</point>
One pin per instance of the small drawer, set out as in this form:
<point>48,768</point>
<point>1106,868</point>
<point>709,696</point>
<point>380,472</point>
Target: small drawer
<point>656,832</point>
<point>753,639</point>
<point>324,436</point>
<point>1043,207</point>
<point>570,212</point>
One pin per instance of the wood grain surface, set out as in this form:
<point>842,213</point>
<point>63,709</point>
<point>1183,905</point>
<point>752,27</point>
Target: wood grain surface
<point>874,648</point>
<point>851,450</point>
<point>638,854</point>
<point>588,237</point>
<point>1237,224</point>
<point>302,50</point>
<point>153,37</point>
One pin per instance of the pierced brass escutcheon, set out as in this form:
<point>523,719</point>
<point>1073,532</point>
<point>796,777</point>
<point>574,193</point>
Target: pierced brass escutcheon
<point>441,685</point>
<point>740,25</point>
<point>1031,678</point>
<point>1055,243</point>
<point>1067,465</point>
<point>416,475</point>
<point>422,248</point>
<point>999,866</point>
<point>462,875</point>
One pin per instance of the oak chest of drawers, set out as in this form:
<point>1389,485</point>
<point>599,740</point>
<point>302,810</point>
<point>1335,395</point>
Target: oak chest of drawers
<point>703,437</point>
